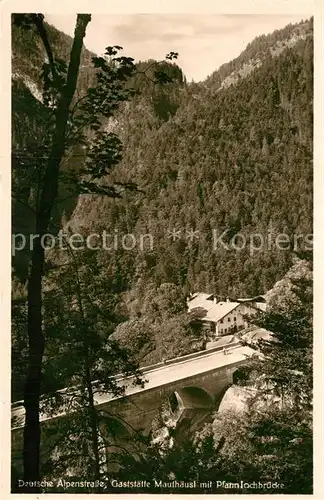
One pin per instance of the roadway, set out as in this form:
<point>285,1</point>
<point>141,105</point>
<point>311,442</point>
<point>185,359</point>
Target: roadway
<point>162,374</point>
<point>183,369</point>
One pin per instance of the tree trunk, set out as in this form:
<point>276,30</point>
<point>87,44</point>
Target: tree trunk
<point>94,424</point>
<point>87,382</point>
<point>31,452</point>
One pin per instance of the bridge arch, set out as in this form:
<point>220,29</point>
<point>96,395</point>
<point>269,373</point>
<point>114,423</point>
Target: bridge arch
<point>241,375</point>
<point>194,397</point>
<point>195,405</point>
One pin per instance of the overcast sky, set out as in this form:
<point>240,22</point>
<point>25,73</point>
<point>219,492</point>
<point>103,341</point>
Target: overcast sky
<point>204,42</point>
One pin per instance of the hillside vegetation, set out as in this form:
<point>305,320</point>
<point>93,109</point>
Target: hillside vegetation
<point>207,159</point>
<point>236,160</point>
<point>211,191</point>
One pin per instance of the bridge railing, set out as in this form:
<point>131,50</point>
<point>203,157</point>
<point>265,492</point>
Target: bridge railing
<point>149,368</point>
<point>193,355</point>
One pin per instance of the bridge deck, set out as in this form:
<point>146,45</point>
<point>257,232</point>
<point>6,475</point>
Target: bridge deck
<point>163,374</point>
<point>184,369</point>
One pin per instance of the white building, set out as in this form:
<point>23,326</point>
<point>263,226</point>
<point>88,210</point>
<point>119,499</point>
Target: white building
<point>223,317</point>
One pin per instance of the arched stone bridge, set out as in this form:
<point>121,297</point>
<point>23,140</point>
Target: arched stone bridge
<point>193,386</point>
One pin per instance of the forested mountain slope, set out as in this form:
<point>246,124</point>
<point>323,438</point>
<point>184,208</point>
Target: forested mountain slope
<point>211,175</point>
<point>208,159</point>
<point>256,52</point>
<point>236,160</point>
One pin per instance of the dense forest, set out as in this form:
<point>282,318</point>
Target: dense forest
<point>239,160</point>
<point>230,156</point>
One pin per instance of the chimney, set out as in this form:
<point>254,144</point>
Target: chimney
<point>215,299</point>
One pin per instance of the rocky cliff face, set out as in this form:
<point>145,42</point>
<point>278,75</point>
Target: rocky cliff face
<point>257,52</point>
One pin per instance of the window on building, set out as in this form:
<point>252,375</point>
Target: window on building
<point>234,318</point>
<point>228,319</point>
<point>221,321</point>
<point>225,330</point>
<point>222,330</point>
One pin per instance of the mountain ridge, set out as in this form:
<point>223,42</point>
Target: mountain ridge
<point>214,161</point>
<point>256,50</point>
